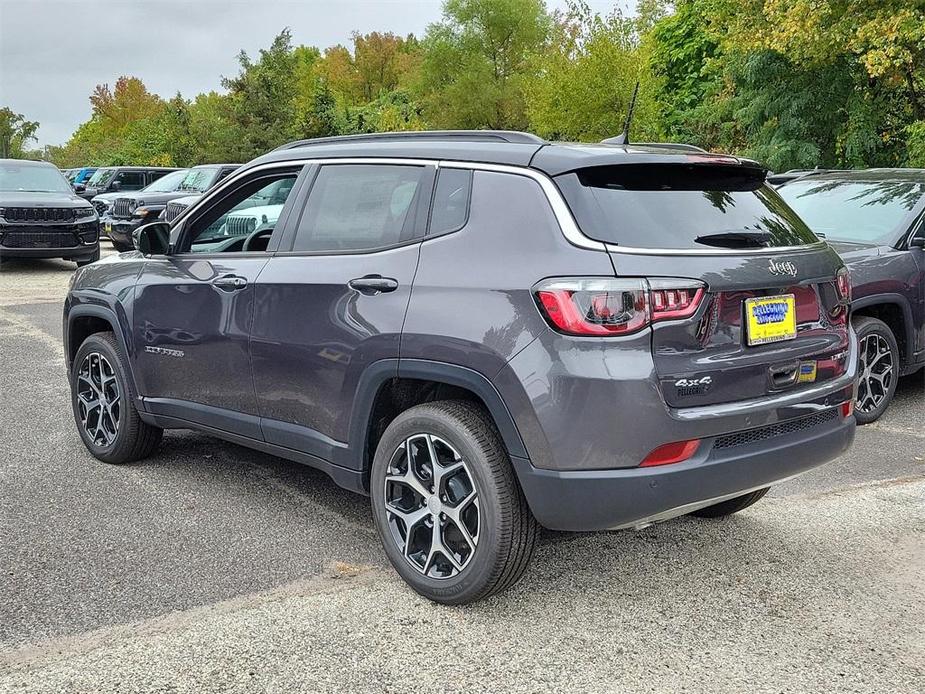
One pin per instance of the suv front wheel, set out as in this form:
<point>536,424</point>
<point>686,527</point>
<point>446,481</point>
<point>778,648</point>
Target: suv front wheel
<point>103,401</point>
<point>449,510</point>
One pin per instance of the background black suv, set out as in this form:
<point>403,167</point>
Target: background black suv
<point>875,218</point>
<point>42,217</point>
<point>116,179</point>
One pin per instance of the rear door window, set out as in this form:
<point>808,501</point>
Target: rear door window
<point>451,200</point>
<point>679,206</point>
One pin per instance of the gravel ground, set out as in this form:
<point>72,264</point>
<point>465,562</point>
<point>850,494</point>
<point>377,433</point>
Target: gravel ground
<point>214,568</point>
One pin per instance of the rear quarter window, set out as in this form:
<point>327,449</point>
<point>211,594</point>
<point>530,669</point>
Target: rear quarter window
<point>679,206</point>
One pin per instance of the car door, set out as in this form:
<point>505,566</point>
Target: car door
<point>194,307</point>
<point>333,302</point>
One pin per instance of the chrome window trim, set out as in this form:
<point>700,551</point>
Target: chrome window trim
<point>632,250</point>
<point>567,223</point>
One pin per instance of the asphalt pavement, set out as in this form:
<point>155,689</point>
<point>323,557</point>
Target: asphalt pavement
<point>210,567</point>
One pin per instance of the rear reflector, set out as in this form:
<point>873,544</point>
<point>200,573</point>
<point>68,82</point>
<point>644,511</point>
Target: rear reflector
<point>847,409</point>
<point>670,453</point>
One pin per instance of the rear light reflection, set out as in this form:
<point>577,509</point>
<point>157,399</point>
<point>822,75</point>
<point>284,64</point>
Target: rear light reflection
<point>843,284</point>
<point>598,306</point>
<point>847,409</point>
<point>671,453</point>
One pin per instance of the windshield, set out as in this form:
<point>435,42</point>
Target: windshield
<point>854,211</point>
<point>101,178</point>
<point>168,183</point>
<point>681,207</point>
<point>33,179</point>
<point>198,180</point>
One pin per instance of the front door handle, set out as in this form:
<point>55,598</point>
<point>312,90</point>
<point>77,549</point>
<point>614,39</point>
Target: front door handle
<point>229,283</point>
<point>373,284</point>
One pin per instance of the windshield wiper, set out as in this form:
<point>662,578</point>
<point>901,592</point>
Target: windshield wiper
<point>744,238</point>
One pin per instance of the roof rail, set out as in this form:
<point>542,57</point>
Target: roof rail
<point>511,136</point>
<point>656,145</point>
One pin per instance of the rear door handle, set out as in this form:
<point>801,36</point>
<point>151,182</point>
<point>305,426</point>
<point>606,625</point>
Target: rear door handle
<point>229,282</point>
<point>373,284</point>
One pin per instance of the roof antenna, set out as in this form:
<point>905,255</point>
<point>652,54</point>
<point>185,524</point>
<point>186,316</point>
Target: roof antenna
<point>624,137</point>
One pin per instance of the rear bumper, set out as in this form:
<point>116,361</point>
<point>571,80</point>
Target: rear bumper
<point>610,499</point>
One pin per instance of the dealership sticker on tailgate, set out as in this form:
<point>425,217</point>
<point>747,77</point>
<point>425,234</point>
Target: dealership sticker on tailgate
<point>771,319</point>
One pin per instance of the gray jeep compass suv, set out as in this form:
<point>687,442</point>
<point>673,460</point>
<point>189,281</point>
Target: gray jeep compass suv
<point>483,331</point>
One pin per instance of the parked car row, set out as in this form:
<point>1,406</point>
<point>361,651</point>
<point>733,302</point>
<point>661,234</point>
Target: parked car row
<point>486,332</point>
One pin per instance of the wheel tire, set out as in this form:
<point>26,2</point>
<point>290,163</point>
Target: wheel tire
<point>873,335</point>
<point>133,439</point>
<point>92,259</point>
<point>730,506</point>
<point>506,531</point>
<point>121,247</point>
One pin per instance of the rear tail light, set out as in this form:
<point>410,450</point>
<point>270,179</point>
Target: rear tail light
<point>598,306</point>
<point>671,453</point>
<point>671,300</point>
<point>847,409</point>
<point>843,284</point>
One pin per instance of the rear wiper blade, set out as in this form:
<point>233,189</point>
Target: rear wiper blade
<point>744,238</point>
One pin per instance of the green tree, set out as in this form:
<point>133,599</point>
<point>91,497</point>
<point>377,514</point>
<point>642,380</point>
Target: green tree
<point>15,133</point>
<point>584,81</point>
<point>263,98</point>
<point>476,61</point>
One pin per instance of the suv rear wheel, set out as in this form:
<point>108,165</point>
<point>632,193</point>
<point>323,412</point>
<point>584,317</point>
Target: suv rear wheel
<point>103,401</point>
<point>878,368</point>
<point>450,513</point>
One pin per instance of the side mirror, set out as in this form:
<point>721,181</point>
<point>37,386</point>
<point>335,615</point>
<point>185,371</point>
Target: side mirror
<point>115,186</point>
<point>917,241</point>
<point>152,239</point>
<point>80,188</point>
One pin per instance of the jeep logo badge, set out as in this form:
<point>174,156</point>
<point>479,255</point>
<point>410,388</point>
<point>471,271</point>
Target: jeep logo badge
<point>776,267</point>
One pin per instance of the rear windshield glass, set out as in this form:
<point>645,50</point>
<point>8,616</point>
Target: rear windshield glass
<point>858,211</point>
<point>681,206</point>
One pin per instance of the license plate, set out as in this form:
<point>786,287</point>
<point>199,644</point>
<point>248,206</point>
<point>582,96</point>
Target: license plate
<point>771,319</point>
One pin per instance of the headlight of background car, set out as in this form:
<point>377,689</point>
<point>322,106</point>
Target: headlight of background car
<point>143,212</point>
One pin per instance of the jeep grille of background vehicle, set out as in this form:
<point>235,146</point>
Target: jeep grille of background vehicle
<point>43,214</point>
<point>101,207</point>
<point>27,238</point>
<point>122,207</point>
<point>173,210</point>
<point>239,226</point>
<point>791,426</point>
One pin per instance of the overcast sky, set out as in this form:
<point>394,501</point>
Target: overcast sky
<point>53,52</point>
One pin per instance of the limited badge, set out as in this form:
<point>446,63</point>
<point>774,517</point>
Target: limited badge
<point>807,372</point>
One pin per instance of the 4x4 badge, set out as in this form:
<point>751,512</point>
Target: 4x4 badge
<point>775,267</point>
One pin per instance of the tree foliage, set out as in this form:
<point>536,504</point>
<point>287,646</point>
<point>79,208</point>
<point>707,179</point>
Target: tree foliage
<point>15,133</point>
<point>476,61</point>
<point>585,79</point>
<point>794,83</point>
